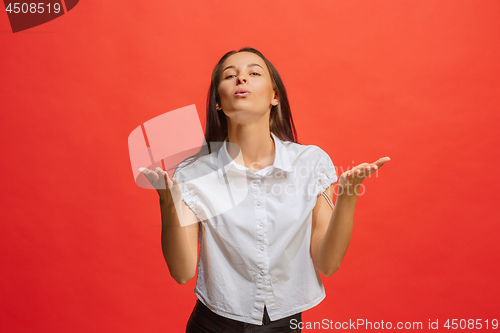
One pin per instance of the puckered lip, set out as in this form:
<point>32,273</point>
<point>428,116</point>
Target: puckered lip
<point>241,90</point>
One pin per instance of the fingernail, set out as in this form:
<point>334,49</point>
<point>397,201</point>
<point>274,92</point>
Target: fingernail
<point>141,169</point>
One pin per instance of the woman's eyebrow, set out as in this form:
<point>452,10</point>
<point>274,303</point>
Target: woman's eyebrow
<point>249,65</point>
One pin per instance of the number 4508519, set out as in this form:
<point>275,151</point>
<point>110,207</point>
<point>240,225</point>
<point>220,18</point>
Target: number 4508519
<point>471,324</point>
<point>33,8</point>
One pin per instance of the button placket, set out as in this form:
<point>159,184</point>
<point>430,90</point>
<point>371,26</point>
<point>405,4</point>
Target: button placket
<point>263,245</point>
<point>257,190</point>
<point>261,241</point>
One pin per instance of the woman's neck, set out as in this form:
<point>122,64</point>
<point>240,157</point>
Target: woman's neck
<point>255,143</point>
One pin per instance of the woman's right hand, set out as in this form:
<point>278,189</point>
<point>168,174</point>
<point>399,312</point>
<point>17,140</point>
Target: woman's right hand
<point>158,178</point>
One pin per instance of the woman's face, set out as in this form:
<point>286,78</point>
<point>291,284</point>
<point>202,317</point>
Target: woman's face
<point>245,88</point>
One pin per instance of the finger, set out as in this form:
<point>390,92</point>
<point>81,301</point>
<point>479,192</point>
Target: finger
<point>367,167</point>
<point>367,170</point>
<point>381,161</point>
<point>360,166</point>
<point>359,171</point>
<point>146,172</point>
<point>154,176</point>
<point>371,168</point>
<point>159,171</point>
<point>363,170</point>
<point>169,182</point>
<point>165,176</point>
<point>161,176</point>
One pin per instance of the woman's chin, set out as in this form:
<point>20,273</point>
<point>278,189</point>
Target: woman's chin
<point>251,109</point>
<point>245,112</point>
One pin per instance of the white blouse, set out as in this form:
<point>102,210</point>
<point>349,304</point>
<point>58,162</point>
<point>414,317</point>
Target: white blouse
<point>255,233</point>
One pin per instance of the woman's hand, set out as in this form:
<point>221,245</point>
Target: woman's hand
<point>159,179</point>
<point>350,181</point>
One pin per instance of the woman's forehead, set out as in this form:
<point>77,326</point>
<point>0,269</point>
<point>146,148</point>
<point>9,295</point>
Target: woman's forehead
<point>243,58</point>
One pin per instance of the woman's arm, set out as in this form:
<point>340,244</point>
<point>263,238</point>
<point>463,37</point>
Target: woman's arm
<point>179,232</point>
<point>332,230</point>
<point>179,243</point>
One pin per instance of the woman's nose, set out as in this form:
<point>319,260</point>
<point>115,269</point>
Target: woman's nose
<point>241,79</point>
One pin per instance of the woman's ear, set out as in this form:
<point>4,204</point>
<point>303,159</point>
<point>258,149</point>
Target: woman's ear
<point>275,100</point>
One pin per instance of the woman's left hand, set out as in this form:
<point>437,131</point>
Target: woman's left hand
<point>350,181</point>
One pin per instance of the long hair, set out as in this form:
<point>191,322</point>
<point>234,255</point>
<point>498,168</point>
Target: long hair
<point>280,119</point>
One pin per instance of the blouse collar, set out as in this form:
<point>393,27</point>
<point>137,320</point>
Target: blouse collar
<point>281,158</point>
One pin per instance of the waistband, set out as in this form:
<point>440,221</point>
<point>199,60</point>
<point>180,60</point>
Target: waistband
<point>202,313</point>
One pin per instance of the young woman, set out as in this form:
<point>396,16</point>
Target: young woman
<point>260,205</point>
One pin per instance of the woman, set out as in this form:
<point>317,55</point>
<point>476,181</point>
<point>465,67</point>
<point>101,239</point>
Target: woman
<point>260,204</point>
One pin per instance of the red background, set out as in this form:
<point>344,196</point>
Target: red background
<point>414,80</point>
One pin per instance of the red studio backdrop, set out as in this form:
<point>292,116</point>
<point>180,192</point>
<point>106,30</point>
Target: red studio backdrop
<point>417,81</point>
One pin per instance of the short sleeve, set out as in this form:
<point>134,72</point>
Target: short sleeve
<point>189,197</point>
<point>325,173</point>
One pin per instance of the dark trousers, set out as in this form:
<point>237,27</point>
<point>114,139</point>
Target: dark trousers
<point>203,320</point>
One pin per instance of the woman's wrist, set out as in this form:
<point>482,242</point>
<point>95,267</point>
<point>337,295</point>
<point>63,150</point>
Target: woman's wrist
<point>347,196</point>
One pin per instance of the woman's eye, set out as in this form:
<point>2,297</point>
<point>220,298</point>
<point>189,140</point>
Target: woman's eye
<point>233,75</point>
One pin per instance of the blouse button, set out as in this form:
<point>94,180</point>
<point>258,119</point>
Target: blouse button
<point>262,248</point>
<point>261,273</point>
<point>258,203</point>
